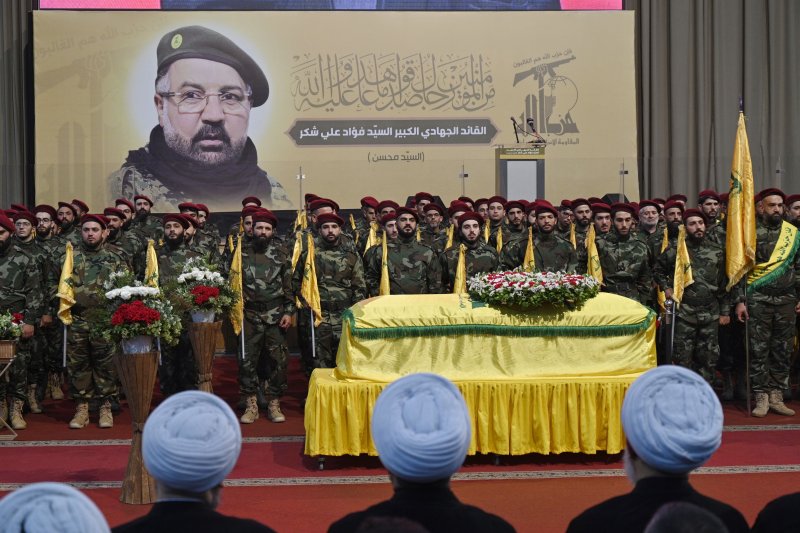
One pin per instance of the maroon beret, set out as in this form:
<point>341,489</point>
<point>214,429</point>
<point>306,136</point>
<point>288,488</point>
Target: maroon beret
<point>706,194</point>
<point>125,201</point>
<point>515,204</point>
<point>595,200</point>
<point>724,197</point>
<point>329,217</point>
<point>369,201</point>
<point>100,219</point>
<point>649,203</point>
<point>433,206</point>
<point>565,205</point>
<point>792,198</point>
<point>470,215</point>
<point>577,202</point>
<point>423,196</point>
<point>466,199</point>
<point>7,223</point>
<point>678,197</point>
<point>44,208</point>
<point>387,203</point>
<point>319,203</point>
<point>694,213</point>
<point>308,197</point>
<point>659,201</point>
<point>175,217</point>
<point>673,204</point>
<point>24,215</point>
<point>600,207</point>
<point>267,216</point>
<point>457,206</point>
<point>19,207</point>
<point>772,192</point>
<point>81,204</point>
<point>543,206</point>
<point>480,201</point>
<point>113,212</point>
<point>188,206</point>
<point>407,211</point>
<point>251,200</point>
<point>70,206</point>
<point>497,200</point>
<point>250,210</point>
<point>143,197</point>
<point>194,223</point>
<point>621,206</point>
<point>204,208</point>
<point>388,217</point>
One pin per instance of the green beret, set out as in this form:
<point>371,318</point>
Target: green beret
<point>202,43</point>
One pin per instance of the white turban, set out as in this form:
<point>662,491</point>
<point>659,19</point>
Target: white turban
<point>672,419</point>
<point>191,441</point>
<point>421,428</point>
<point>47,507</point>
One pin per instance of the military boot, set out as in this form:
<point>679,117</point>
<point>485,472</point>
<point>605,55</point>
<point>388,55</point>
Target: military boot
<point>106,417</point>
<point>4,409</point>
<point>33,400</point>
<point>54,386</point>
<point>777,405</point>
<point>81,418</point>
<point>274,411</point>
<point>762,405</point>
<point>727,387</point>
<point>251,412</point>
<point>17,422</point>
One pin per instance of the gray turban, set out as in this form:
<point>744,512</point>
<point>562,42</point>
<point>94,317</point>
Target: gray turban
<point>672,419</point>
<point>191,441</point>
<point>48,507</point>
<point>421,428</point>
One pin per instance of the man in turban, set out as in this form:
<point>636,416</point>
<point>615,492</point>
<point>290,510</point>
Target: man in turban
<point>421,428</point>
<point>190,443</point>
<point>47,507</point>
<point>673,424</point>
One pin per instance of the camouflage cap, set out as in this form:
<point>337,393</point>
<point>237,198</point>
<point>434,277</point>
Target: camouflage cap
<point>202,43</point>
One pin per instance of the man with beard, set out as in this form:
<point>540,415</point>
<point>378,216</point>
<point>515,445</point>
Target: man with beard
<point>551,253</point>
<point>340,281</point>
<point>566,219</point>
<point>148,224</point>
<point>623,259</point>
<point>497,221</point>
<point>602,216</point>
<point>362,225</point>
<point>515,227</point>
<point>20,292</point>
<point>388,228</point>
<point>705,304</point>
<point>479,257</point>
<point>68,230</point>
<point>673,218</point>
<point>81,208</point>
<point>177,371</point>
<point>268,309</point>
<point>772,304</point>
<point>709,203</point>
<point>199,238</point>
<point>128,245</point>
<point>793,209</point>
<point>413,267</point>
<point>434,234</point>
<point>582,211</point>
<point>207,227</point>
<point>90,366</point>
<point>205,89</point>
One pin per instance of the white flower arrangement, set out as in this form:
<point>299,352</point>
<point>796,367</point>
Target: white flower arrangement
<point>202,274</point>
<point>532,289</point>
<point>132,291</point>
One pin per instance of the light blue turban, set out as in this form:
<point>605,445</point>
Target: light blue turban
<point>672,418</point>
<point>421,428</point>
<point>191,441</point>
<point>48,507</point>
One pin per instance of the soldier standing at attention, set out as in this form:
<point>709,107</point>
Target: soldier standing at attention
<point>268,309</point>
<point>479,257</point>
<point>374,253</point>
<point>582,211</point>
<point>434,235</point>
<point>147,224</point>
<point>705,305</point>
<point>708,202</point>
<point>603,218</point>
<point>414,267</point>
<point>624,259</point>
<point>340,280</point>
<point>89,365</point>
<point>566,219</point>
<point>773,293</point>
<point>551,253</point>
<point>68,224</point>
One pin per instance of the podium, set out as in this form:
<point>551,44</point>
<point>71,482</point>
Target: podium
<point>519,170</point>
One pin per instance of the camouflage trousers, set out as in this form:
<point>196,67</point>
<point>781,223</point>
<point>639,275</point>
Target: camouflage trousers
<point>266,357</point>
<point>90,364</point>
<point>53,339</point>
<point>178,371</point>
<point>14,382</point>
<point>327,336</point>
<point>697,347</point>
<point>771,329</point>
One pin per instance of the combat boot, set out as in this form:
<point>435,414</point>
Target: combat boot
<point>777,405</point>
<point>81,418</point>
<point>54,386</point>
<point>17,422</point>
<point>251,412</point>
<point>762,405</point>
<point>727,387</point>
<point>4,409</point>
<point>33,400</point>
<point>106,417</point>
<point>274,411</point>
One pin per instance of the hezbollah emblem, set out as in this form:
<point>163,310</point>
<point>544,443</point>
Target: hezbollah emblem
<point>177,40</point>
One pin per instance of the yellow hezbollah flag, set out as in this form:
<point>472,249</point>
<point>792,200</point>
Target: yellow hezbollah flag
<point>384,287</point>
<point>297,250</point>
<point>235,282</point>
<point>740,240</point>
<point>572,238</point>
<point>309,289</point>
<point>372,238</point>
<point>683,267</point>
<point>65,293</point>
<point>487,231</point>
<point>499,239</point>
<point>593,262</point>
<point>301,221</point>
<point>529,262</point>
<point>450,233</point>
<point>230,242</point>
<point>151,267</point>
<point>460,283</point>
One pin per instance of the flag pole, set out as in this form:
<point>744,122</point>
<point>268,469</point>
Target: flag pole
<point>313,334</point>
<point>64,348</point>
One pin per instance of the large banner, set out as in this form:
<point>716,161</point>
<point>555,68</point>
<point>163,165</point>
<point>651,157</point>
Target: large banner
<point>214,106</point>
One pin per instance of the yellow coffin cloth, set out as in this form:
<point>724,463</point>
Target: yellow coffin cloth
<point>533,382</point>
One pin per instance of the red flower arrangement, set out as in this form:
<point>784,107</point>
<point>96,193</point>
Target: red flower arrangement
<point>203,293</point>
<point>135,313</point>
<point>17,318</point>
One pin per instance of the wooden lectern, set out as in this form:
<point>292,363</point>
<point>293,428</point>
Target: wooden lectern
<point>519,171</point>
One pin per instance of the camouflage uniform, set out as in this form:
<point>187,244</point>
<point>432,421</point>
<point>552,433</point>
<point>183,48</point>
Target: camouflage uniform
<point>267,286</point>
<point>436,239</point>
<point>150,226</point>
<point>772,318</point>
<point>53,336</point>
<point>72,234</point>
<point>127,244</point>
<point>340,279</point>
<point>626,268</point>
<point>696,342</point>
<point>178,371</point>
<point>717,232</point>
<point>510,234</point>
<point>20,292</point>
<point>479,258</point>
<point>89,361</point>
<point>414,268</point>
<point>551,253</point>
<point>580,248</point>
<point>563,232</point>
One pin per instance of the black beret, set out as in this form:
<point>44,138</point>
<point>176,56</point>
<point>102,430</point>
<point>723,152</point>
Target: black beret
<point>202,43</point>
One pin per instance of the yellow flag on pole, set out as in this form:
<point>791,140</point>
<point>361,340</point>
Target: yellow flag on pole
<point>529,262</point>
<point>297,250</point>
<point>593,262</point>
<point>65,293</point>
<point>372,238</point>
<point>151,266</point>
<point>740,241</point>
<point>460,283</point>
<point>235,283</point>
<point>451,229</point>
<point>384,287</point>
<point>308,288</point>
<point>499,239</point>
<point>572,239</point>
<point>683,267</point>
<point>487,231</point>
